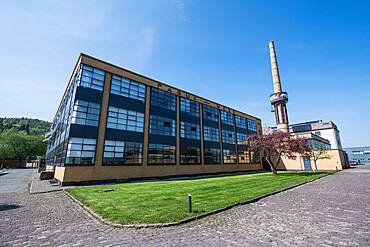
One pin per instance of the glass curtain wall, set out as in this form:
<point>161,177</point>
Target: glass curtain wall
<point>125,127</point>
<point>211,135</point>
<point>162,128</point>
<point>241,138</point>
<point>189,132</point>
<point>72,111</point>
<point>252,130</point>
<point>228,138</point>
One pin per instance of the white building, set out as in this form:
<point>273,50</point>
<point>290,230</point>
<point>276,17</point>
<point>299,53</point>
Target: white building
<point>327,130</point>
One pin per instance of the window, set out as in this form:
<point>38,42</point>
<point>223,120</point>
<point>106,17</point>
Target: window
<point>212,156</point>
<point>189,130</point>
<point>255,156</point>
<point>123,119</point>
<point>229,156</point>
<point>162,126</point>
<point>243,154</point>
<point>318,145</point>
<point>161,154</point>
<point>81,151</point>
<point>91,77</point>
<point>318,133</point>
<point>121,153</point>
<point>211,134</point>
<point>163,99</point>
<point>86,113</point>
<point>227,118</point>
<point>241,138</point>
<point>190,155</point>
<point>228,136</point>
<point>189,106</point>
<point>367,152</point>
<point>357,152</point>
<point>128,88</point>
<point>252,127</point>
<point>240,122</point>
<point>210,113</point>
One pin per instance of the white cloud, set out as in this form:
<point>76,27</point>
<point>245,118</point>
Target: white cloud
<point>180,10</point>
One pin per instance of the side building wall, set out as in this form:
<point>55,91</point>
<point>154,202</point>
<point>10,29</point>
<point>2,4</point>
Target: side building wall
<point>114,124</point>
<point>337,161</point>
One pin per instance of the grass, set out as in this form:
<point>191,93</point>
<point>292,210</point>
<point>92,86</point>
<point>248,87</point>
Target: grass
<point>166,201</point>
<point>7,168</point>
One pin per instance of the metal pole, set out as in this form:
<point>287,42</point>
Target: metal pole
<point>189,203</point>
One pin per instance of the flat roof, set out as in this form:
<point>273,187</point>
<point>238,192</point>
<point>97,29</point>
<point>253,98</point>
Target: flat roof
<point>114,69</point>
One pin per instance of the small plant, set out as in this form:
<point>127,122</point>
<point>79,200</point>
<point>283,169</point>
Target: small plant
<point>318,151</point>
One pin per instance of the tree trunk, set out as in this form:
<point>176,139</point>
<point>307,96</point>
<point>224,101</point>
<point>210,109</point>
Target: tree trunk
<point>315,164</point>
<point>273,169</point>
<point>20,162</point>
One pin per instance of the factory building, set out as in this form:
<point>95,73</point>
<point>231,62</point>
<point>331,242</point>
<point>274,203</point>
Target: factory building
<point>113,124</point>
<point>360,155</point>
<point>327,130</point>
<point>323,134</point>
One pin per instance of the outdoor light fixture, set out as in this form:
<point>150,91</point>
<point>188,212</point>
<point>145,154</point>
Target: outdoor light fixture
<point>189,203</point>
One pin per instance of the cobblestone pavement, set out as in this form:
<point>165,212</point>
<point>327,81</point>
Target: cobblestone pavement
<point>332,211</point>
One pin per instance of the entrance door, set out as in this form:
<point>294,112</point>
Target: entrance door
<point>307,164</point>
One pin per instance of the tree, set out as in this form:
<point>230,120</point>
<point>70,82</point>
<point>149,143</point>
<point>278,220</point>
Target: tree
<point>318,151</point>
<point>4,154</point>
<point>16,146</point>
<point>277,145</point>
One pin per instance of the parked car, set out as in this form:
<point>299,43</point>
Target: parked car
<point>352,163</point>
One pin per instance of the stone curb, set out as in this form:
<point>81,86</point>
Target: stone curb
<point>43,192</point>
<point>187,220</point>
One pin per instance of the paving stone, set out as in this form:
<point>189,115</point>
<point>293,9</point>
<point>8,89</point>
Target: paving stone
<point>330,211</point>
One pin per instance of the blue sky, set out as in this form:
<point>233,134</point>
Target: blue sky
<point>215,49</point>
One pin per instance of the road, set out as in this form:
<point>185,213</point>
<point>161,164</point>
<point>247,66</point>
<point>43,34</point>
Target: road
<point>363,166</point>
<point>331,211</point>
<point>15,180</point>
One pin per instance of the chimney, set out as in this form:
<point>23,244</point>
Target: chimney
<point>278,98</point>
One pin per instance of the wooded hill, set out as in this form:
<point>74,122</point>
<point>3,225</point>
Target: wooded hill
<point>24,126</point>
<point>22,138</point>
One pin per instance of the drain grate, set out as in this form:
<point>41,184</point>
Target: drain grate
<point>9,205</point>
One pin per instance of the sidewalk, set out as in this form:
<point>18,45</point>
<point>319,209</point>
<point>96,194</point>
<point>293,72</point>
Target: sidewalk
<point>42,186</point>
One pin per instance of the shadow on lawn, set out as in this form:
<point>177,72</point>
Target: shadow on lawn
<point>199,211</point>
<point>196,177</point>
<point>300,174</point>
<point>280,173</point>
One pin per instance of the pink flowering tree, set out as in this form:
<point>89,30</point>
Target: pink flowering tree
<point>279,144</point>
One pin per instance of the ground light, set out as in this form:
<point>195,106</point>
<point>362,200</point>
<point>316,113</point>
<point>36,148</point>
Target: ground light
<point>189,203</point>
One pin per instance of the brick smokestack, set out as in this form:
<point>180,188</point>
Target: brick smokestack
<point>278,98</point>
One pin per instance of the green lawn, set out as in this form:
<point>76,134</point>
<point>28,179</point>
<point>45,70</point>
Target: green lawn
<point>166,201</point>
